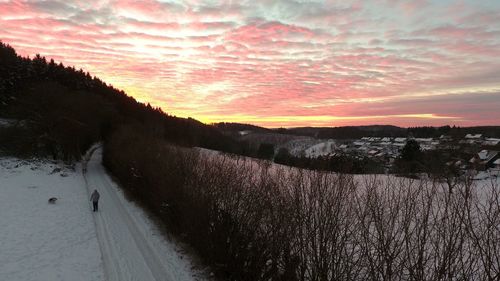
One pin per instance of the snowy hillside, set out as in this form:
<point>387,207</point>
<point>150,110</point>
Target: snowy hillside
<point>321,149</point>
<point>297,147</point>
<point>66,241</point>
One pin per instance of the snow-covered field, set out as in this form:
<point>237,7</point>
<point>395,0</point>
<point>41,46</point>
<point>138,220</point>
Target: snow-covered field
<point>42,241</point>
<point>66,241</point>
<point>483,181</point>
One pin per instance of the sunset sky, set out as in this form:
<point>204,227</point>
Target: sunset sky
<point>280,63</point>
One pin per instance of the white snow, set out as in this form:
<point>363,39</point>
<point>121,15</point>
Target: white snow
<point>67,241</point>
<point>320,149</point>
<point>297,146</point>
<point>41,241</point>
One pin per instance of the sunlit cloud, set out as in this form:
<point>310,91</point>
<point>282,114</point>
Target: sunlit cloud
<point>280,63</point>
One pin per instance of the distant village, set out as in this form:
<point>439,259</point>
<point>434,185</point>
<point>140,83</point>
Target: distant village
<point>483,152</point>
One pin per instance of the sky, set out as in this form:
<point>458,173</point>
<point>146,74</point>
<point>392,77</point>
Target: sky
<point>278,63</point>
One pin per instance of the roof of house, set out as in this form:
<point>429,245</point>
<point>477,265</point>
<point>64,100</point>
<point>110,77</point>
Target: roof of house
<point>491,142</point>
<point>487,155</point>
<point>492,155</point>
<point>483,154</point>
<point>471,136</point>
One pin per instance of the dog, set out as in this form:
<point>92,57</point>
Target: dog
<point>52,200</point>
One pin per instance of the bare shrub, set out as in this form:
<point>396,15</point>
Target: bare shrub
<point>252,220</point>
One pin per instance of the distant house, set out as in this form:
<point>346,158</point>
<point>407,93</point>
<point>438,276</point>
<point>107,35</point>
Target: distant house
<point>359,143</point>
<point>475,137</point>
<point>496,164</point>
<point>491,142</point>
<point>467,141</point>
<point>446,138</point>
<point>495,170</point>
<point>427,147</point>
<point>485,159</point>
<point>423,140</point>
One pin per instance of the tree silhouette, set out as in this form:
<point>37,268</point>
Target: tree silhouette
<point>411,151</point>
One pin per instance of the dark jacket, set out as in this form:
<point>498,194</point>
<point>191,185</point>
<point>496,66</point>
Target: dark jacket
<point>95,196</point>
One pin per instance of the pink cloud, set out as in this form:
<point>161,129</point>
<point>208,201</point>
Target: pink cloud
<point>276,58</point>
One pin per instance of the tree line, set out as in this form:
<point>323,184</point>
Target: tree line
<point>342,163</point>
<point>357,132</point>
<point>60,111</point>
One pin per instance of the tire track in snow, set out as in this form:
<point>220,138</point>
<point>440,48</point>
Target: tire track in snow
<point>110,273</point>
<point>127,253</point>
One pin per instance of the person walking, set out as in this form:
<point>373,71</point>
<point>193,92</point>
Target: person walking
<point>95,199</point>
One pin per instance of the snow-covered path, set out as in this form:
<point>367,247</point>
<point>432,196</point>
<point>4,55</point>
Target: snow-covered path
<point>132,248</point>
